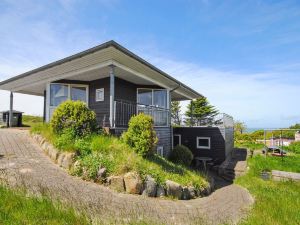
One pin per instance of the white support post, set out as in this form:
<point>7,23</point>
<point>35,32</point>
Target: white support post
<point>47,102</point>
<point>11,114</point>
<point>112,95</point>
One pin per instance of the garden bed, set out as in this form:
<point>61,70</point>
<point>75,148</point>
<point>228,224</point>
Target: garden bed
<point>107,160</point>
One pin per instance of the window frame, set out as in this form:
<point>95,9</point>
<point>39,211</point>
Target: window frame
<point>203,147</point>
<point>97,99</point>
<point>178,135</point>
<point>69,92</point>
<point>152,96</point>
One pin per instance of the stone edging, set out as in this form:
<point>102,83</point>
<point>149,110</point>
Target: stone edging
<point>131,182</point>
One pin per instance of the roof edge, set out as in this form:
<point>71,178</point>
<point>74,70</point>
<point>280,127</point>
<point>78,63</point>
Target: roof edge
<point>107,44</point>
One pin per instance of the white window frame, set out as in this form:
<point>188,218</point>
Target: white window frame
<point>203,147</point>
<point>160,150</point>
<point>50,108</point>
<point>96,93</point>
<point>152,93</point>
<point>178,135</point>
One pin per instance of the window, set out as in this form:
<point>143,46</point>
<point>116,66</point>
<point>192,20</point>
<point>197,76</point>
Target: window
<point>62,92</point>
<point>203,142</point>
<point>160,150</point>
<point>78,93</point>
<point>145,96</point>
<point>100,95</point>
<point>58,94</point>
<point>160,98</point>
<point>176,139</point>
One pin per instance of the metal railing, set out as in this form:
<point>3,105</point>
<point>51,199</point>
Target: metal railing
<point>124,110</point>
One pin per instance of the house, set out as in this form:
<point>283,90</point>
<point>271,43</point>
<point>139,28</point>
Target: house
<point>113,82</point>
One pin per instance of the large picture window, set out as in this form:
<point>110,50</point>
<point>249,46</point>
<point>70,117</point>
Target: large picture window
<point>62,92</point>
<point>154,102</point>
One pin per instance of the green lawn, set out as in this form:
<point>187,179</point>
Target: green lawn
<point>275,202</point>
<point>18,208</point>
<point>29,120</point>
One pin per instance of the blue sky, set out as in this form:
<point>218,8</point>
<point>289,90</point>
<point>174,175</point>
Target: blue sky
<point>243,55</point>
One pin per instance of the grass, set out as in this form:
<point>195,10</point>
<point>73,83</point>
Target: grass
<point>275,202</point>
<point>18,208</point>
<point>118,158</point>
<point>29,121</point>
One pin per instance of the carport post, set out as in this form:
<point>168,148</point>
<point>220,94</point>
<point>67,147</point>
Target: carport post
<point>112,96</point>
<point>11,109</point>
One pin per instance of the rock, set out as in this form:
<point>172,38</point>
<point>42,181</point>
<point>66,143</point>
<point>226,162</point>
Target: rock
<point>149,187</point>
<point>192,192</point>
<point>53,153</point>
<point>206,190</point>
<point>185,194</point>
<point>68,160</point>
<point>160,191</point>
<point>60,159</point>
<point>174,189</point>
<point>116,183</point>
<point>42,141</point>
<point>133,183</point>
<point>45,147</point>
<point>77,165</point>
<point>101,174</point>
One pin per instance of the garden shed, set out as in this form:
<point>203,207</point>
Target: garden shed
<point>16,121</point>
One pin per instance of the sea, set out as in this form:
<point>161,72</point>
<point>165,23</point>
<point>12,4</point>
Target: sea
<point>250,130</point>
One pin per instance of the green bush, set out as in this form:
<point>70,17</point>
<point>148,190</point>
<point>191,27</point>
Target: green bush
<point>294,147</point>
<point>182,155</point>
<point>140,134</point>
<point>74,115</point>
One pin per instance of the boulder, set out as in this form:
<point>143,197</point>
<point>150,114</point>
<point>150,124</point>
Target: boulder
<point>185,194</point>
<point>174,189</point>
<point>77,165</point>
<point>149,187</point>
<point>133,183</point>
<point>45,147</point>
<point>192,192</point>
<point>101,174</point>
<point>53,153</point>
<point>116,183</point>
<point>160,191</point>
<point>68,160</point>
<point>60,159</point>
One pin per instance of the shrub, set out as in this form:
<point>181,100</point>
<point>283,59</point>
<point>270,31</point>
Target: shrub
<point>140,134</point>
<point>65,141</point>
<point>75,115</point>
<point>294,147</point>
<point>182,155</point>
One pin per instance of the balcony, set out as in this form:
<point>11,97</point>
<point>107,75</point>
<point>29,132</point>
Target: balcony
<point>125,110</point>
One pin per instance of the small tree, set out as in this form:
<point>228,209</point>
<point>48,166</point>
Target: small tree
<point>140,134</point>
<point>74,115</point>
<point>175,113</point>
<point>200,112</point>
<point>239,127</point>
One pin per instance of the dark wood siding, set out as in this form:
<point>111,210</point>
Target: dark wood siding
<point>217,141</point>
<point>101,108</point>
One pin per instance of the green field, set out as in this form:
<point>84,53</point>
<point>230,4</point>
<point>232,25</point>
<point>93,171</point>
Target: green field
<point>275,202</point>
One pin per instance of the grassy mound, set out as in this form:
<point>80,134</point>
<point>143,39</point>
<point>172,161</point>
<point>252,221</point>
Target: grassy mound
<point>118,158</point>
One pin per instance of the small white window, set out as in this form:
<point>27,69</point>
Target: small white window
<point>100,95</point>
<point>160,150</point>
<point>203,142</point>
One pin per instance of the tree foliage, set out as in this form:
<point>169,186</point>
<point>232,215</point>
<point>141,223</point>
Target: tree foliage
<point>175,113</point>
<point>239,127</point>
<point>200,112</point>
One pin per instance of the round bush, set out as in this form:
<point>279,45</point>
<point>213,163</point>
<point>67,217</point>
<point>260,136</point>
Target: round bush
<point>73,115</point>
<point>140,134</point>
<point>182,155</point>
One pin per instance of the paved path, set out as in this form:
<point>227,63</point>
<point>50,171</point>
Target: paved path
<point>23,163</point>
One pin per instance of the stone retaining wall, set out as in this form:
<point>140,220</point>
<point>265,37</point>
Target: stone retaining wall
<point>131,182</point>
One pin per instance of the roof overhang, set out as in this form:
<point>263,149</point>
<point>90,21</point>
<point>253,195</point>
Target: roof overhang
<point>93,64</point>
